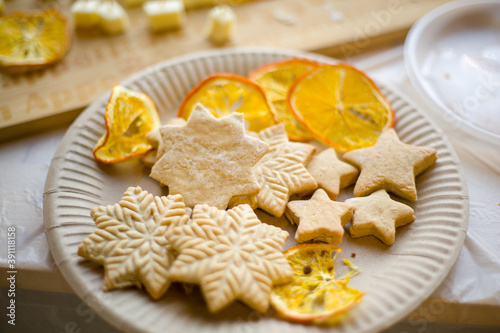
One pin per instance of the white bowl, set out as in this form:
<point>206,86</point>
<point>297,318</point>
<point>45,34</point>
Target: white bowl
<point>452,56</point>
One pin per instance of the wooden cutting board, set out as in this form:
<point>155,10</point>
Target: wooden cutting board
<point>95,62</point>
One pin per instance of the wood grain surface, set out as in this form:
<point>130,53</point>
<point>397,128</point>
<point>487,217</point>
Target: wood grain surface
<point>95,62</point>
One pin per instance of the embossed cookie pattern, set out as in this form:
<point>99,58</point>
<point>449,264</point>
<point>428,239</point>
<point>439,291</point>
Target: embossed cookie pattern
<point>231,254</point>
<point>130,240</point>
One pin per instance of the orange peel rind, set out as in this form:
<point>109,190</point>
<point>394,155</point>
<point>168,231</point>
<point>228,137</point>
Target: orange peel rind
<point>341,106</point>
<point>32,41</point>
<point>275,79</point>
<point>223,94</point>
<point>314,295</point>
<point>129,116</point>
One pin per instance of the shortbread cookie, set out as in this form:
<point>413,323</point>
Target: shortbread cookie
<point>379,215</point>
<point>130,240</point>
<point>149,159</point>
<point>319,218</point>
<point>154,139</point>
<point>231,254</point>
<point>281,172</point>
<point>390,165</point>
<point>209,160</point>
<point>250,200</point>
<point>330,173</point>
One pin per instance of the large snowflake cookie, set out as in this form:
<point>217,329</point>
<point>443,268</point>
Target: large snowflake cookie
<point>281,172</point>
<point>209,160</point>
<point>130,240</point>
<point>390,165</point>
<point>231,254</point>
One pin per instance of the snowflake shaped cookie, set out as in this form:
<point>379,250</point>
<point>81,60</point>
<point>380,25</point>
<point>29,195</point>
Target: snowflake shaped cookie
<point>209,160</point>
<point>231,254</point>
<point>130,240</point>
<point>281,172</point>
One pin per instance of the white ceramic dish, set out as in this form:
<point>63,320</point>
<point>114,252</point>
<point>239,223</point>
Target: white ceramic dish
<point>452,56</point>
<point>396,279</point>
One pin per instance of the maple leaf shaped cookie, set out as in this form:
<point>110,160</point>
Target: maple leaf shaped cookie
<point>130,240</point>
<point>319,218</point>
<point>390,165</point>
<point>209,160</point>
<point>379,215</point>
<point>280,172</point>
<point>231,254</point>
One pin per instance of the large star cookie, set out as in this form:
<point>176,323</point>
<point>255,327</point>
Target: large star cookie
<point>281,172</point>
<point>130,240</point>
<point>319,218</point>
<point>209,160</point>
<point>379,215</point>
<point>330,173</point>
<point>231,254</point>
<point>390,165</point>
<point>154,139</point>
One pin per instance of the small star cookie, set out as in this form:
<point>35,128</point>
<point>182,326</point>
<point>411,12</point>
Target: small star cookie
<point>130,240</point>
<point>209,160</point>
<point>379,215</point>
<point>281,172</point>
<point>390,165</point>
<point>330,173</point>
<point>231,254</point>
<point>319,218</point>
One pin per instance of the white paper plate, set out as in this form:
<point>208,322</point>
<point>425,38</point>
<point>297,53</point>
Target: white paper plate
<point>452,56</point>
<point>396,279</point>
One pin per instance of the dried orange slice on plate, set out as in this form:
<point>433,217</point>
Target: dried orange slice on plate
<point>129,116</point>
<point>276,78</point>
<point>341,106</point>
<point>31,41</point>
<point>314,295</point>
<point>223,94</point>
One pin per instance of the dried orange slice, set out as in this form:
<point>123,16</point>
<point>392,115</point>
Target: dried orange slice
<point>31,41</point>
<point>223,94</point>
<point>129,116</point>
<point>314,295</point>
<point>341,106</point>
<point>276,78</point>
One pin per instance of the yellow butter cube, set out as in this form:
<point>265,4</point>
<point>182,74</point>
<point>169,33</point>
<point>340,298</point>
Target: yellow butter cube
<point>113,19</point>
<point>220,24</point>
<point>165,15</point>
<point>84,13</point>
